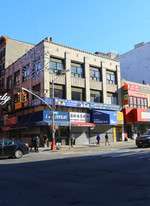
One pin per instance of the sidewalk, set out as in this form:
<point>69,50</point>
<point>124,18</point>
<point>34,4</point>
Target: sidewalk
<point>65,148</point>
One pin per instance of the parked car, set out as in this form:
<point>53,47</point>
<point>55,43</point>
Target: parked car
<point>143,140</point>
<point>13,148</point>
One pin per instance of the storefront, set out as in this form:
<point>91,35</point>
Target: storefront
<point>136,112</point>
<point>105,122</point>
<point>137,121</point>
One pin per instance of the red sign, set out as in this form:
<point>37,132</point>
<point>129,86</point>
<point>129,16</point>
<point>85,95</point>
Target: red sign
<point>12,121</point>
<point>136,115</point>
<point>133,87</point>
<point>125,87</point>
<point>134,94</point>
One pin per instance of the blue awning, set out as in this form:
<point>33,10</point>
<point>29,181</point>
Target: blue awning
<point>104,117</point>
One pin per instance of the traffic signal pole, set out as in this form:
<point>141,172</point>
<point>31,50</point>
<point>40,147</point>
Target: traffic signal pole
<point>24,89</point>
<point>53,131</point>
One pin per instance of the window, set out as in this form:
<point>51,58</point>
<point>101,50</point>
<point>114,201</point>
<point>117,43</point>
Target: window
<point>36,90</point>
<point>3,80</point>
<point>95,96</point>
<point>145,103</point>
<point>59,91</point>
<point>138,102</point>
<point>8,142</point>
<point>77,94</point>
<point>36,69</point>
<point>9,83</point>
<point>15,98</point>
<point>76,70</point>
<point>111,98</point>
<point>110,78</point>
<point>25,73</point>
<point>56,65</point>
<point>17,78</point>
<point>94,74</point>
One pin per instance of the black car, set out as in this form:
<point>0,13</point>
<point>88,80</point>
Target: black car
<point>12,148</point>
<point>143,140</point>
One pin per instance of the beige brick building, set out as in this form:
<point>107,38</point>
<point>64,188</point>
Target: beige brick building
<point>92,78</point>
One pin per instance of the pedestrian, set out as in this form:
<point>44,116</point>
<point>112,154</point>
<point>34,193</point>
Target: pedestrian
<point>72,140</point>
<point>37,144</point>
<point>44,140</point>
<point>106,139</point>
<point>98,139</point>
<point>32,142</point>
<point>47,142</point>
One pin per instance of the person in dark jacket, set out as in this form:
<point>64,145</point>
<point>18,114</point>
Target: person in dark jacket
<point>44,140</point>
<point>106,139</point>
<point>32,142</point>
<point>98,138</point>
<point>37,144</point>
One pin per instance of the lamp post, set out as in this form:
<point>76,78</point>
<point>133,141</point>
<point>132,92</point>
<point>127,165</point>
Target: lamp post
<point>62,72</point>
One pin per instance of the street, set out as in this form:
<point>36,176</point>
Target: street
<point>110,176</point>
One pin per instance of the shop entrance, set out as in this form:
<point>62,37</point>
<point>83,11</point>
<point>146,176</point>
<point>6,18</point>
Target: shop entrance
<point>62,135</point>
<point>118,134</point>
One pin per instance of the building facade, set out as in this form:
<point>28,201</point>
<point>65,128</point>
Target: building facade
<point>136,108</point>
<point>135,64</point>
<point>87,98</point>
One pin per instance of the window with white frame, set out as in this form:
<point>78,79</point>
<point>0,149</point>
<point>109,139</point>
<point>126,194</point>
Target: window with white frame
<point>95,74</point>
<point>95,96</point>
<point>112,98</point>
<point>110,77</point>
<point>25,73</point>
<point>77,70</point>
<point>56,65</point>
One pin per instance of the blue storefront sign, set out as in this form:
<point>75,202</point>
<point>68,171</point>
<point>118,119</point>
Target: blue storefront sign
<point>37,101</point>
<point>77,104</point>
<point>58,116</point>
<point>103,117</point>
<point>90,105</point>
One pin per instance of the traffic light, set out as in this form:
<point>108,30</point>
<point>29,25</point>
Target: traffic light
<point>19,97</point>
<point>24,97</point>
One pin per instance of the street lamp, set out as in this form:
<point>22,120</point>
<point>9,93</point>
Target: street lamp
<point>62,72</point>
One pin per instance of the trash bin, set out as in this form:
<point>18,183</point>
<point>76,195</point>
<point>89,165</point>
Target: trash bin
<point>58,145</point>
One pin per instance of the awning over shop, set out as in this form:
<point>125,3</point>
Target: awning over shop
<point>104,117</point>
<point>83,124</point>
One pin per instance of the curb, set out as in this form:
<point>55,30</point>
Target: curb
<point>90,147</point>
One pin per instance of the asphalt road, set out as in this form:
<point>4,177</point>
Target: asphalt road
<point>109,177</point>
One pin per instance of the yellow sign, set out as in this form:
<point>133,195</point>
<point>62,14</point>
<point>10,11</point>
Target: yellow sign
<point>18,105</point>
<point>120,118</point>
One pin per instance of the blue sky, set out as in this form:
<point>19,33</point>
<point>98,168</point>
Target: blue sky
<point>90,25</point>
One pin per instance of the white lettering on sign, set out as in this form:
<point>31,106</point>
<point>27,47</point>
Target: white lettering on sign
<point>79,117</point>
<point>145,115</point>
<point>4,99</point>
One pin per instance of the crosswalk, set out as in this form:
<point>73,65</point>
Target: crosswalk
<point>113,153</point>
<point>130,154</point>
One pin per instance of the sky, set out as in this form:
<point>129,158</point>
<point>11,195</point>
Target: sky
<point>89,25</point>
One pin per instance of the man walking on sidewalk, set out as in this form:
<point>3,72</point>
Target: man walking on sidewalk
<point>98,139</point>
<point>106,139</point>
